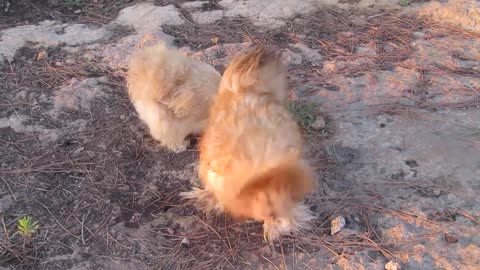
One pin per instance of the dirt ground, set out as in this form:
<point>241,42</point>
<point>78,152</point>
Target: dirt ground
<point>387,92</point>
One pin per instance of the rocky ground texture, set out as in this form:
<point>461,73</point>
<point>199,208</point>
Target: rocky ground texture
<point>388,94</point>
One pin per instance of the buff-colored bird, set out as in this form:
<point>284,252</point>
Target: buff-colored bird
<point>172,93</point>
<point>251,163</point>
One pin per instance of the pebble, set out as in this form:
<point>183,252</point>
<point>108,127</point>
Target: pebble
<point>42,55</point>
<point>450,239</point>
<point>391,265</point>
<point>185,242</point>
<point>337,225</point>
<point>292,58</point>
<point>418,35</point>
<point>319,123</point>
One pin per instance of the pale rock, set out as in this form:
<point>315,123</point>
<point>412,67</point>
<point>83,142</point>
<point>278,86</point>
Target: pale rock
<point>337,224</point>
<point>309,54</point>
<point>392,265</point>
<point>292,58</point>
<point>185,242</point>
<point>44,34</point>
<point>42,55</point>
<point>319,123</point>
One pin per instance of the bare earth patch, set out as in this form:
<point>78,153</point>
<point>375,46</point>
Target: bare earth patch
<point>388,99</point>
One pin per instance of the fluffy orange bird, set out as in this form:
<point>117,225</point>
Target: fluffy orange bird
<point>251,153</point>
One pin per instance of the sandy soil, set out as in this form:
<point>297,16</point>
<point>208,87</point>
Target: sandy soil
<point>388,93</point>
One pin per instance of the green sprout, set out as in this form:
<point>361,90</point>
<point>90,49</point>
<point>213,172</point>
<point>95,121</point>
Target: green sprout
<point>304,113</point>
<point>26,227</point>
<point>404,3</point>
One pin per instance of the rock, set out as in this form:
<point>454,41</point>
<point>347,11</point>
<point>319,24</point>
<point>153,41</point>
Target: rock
<point>337,225</point>
<point>310,55</point>
<point>185,242</point>
<point>391,265</point>
<point>411,163</point>
<point>319,123</point>
<point>42,55</point>
<point>44,34</point>
<point>450,239</point>
<point>418,35</point>
<point>293,59</point>
<point>352,228</point>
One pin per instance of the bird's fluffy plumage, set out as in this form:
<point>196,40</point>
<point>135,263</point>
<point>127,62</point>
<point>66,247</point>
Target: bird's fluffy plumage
<point>172,93</point>
<point>251,152</point>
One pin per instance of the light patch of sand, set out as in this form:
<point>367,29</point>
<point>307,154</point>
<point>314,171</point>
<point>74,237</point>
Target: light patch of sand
<point>48,33</point>
<point>464,13</point>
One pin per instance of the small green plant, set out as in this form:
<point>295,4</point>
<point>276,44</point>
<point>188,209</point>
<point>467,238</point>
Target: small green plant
<point>305,113</point>
<point>26,227</point>
<point>404,3</point>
